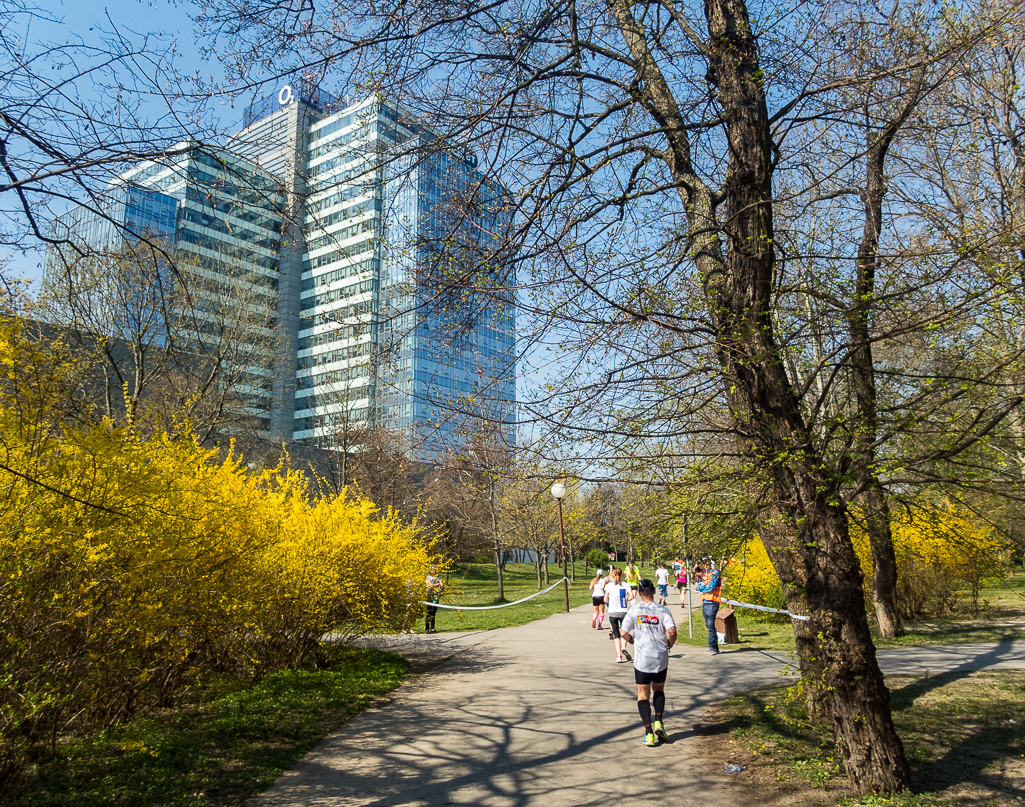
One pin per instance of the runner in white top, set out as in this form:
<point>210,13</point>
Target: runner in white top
<point>598,599</point>
<point>617,599</point>
<point>651,630</point>
<point>662,579</point>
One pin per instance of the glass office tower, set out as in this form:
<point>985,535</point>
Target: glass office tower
<point>379,340</point>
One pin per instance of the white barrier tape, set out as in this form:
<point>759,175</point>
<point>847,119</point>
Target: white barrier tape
<point>761,608</point>
<point>769,610</point>
<point>491,607</point>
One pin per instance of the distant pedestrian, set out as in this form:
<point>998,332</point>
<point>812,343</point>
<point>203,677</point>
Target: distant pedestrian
<point>681,583</point>
<point>710,586</point>
<point>676,565</point>
<point>617,599</point>
<point>434,588</point>
<point>662,581</point>
<point>597,588</point>
<point>651,630</point>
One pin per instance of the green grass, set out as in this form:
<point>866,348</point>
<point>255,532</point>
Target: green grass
<point>222,747</point>
<point>1002,617</point>
<point>962,735</point>
<point>476,584</point>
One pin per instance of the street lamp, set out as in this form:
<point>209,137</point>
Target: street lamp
<point>558,491</point>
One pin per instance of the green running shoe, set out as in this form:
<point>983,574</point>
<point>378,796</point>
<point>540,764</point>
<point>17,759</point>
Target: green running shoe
<point>660,731</point>
<point>649,740</point>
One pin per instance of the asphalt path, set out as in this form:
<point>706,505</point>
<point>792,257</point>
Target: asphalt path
<point>541,716</point>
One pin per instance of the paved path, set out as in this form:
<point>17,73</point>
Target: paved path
<point>540,716</point>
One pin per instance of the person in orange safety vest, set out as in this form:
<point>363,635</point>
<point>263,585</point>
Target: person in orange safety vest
<point>710,586</point>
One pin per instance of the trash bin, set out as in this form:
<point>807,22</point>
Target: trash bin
<point>726,626</point>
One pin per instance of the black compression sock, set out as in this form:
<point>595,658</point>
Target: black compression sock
<point>645,709</point>
<point>658,699</point>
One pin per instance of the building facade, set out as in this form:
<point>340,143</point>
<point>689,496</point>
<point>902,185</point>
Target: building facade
<point>356,224</point>
<point>187,249</point>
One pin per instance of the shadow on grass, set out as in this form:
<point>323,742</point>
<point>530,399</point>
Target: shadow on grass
<point>903,697</point>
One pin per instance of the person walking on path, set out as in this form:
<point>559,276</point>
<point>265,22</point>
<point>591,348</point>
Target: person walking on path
<point>597,588</point>
<point>617,599</point>
<point>662,581</point>
<point>434,588</point>
<point>681,583</point>
<point>651,630</point>
<point>633,578</point>
<point>710,587</point>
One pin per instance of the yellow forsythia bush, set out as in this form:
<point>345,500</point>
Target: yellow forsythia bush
<point>943,557</point>
<point>749,577</point>
<point>130,569</point>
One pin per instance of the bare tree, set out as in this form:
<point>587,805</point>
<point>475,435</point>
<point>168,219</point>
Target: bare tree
<point>480,471</point>
<point>529,519</point>
<point>77,112</point>
<point>170,338</point>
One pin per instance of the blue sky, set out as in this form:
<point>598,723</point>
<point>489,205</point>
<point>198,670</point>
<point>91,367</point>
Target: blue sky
<point>85,22</point>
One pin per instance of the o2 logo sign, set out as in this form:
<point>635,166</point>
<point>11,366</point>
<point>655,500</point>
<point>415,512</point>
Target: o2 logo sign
<point>285,95</point>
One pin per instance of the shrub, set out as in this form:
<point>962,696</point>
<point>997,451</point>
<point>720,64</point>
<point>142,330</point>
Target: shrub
<point>130,568</point>
<point>943,559</point>
<point>751,578</point>
<point>597,559</point>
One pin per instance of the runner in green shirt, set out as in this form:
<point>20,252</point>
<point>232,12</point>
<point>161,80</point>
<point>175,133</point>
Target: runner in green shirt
<point>633,579</point>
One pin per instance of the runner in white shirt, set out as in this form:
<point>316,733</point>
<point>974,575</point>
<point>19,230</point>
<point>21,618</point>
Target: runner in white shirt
<point>662,579</point>
<point>617,603</point>
<point>598,599</point>
<point>651,630</point>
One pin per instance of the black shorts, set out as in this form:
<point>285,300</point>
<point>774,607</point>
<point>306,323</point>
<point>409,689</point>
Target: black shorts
<point>597,600</point>
<point>680,585</point>
<point>633,588</point>
<point>615,622</point>
<point>644,678</point>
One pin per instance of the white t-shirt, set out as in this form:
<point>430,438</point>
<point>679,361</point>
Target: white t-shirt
<point>618,604</point>
<point>662,576</point>
<point>649,624</point>
<point>599,587</point>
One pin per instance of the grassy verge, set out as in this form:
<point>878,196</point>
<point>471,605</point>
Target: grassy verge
<point>1002,618</point>
<point>222,747</point>
<point>1003,615</point>
<point>475,584</point>
<point>962,733</point>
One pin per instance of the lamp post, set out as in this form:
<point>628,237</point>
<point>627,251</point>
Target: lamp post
<point>558,491</point>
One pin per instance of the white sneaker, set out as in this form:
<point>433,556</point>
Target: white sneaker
<point>619,659</point>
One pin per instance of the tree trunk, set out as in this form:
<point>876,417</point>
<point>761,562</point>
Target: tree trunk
<point>498,571</point>
<point>884,563</point>
<point>809,541</point>
<point>874,497</point>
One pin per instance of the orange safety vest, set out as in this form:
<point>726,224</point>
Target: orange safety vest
<point>714,594</point>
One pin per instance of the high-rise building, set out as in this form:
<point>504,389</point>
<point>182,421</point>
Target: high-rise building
<point>221,217</point>
<point>379,220</point>
<point>359,223</point>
